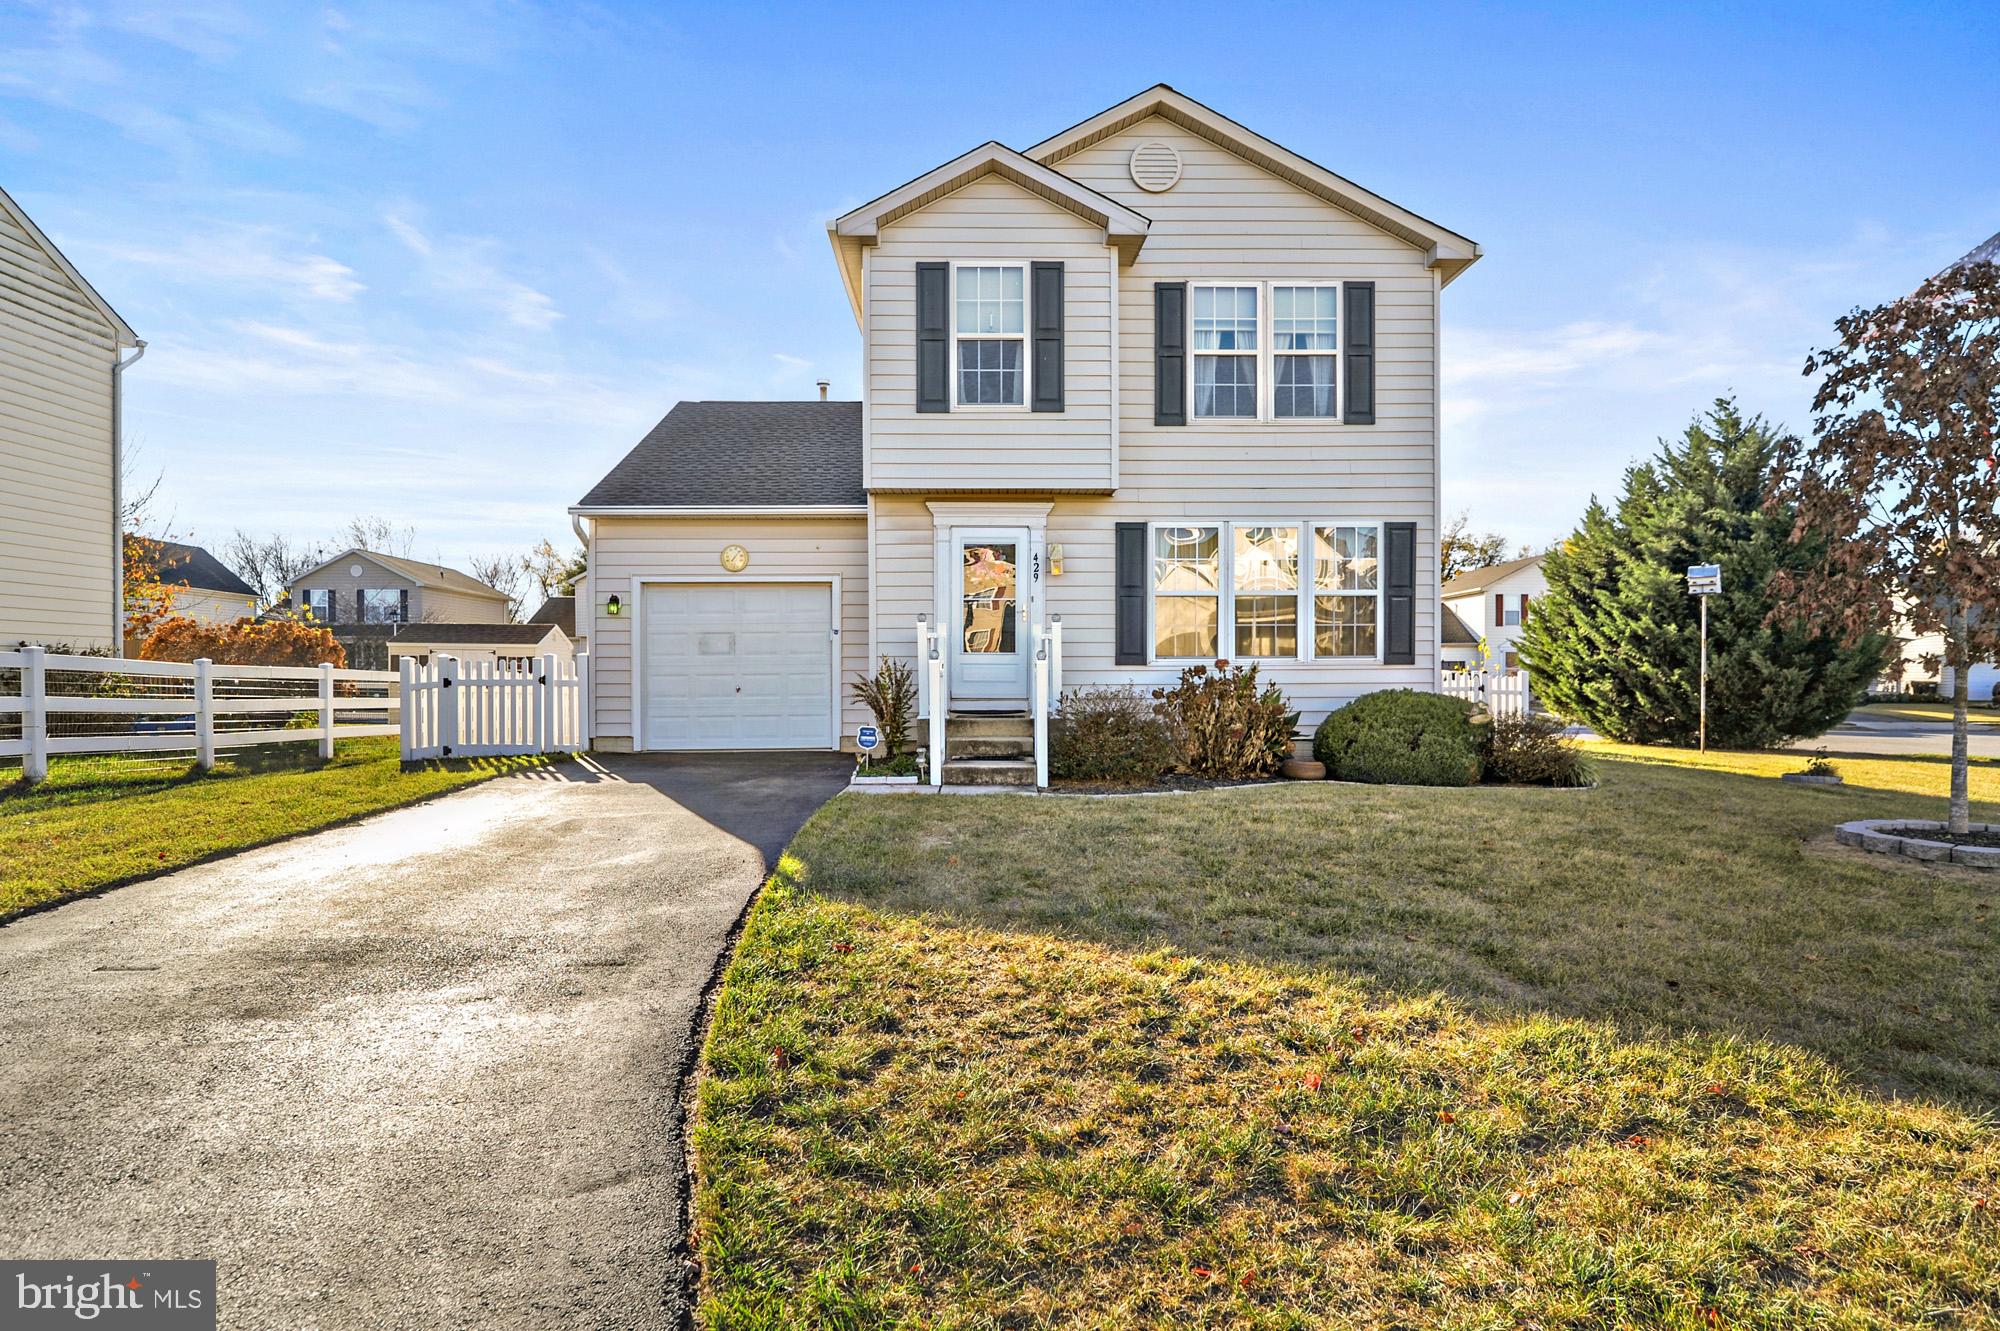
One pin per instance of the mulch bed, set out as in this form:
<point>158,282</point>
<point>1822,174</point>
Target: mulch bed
<point>1987,839</point>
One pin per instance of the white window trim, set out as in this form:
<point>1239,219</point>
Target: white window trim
<point>361,605</point>
<point>1225,633</point>
<point>1027,321</point>
<point>1311,646</point>
<point>1265,354</point>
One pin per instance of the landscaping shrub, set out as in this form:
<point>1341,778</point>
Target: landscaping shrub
<point>1223,725</point>
<point>891,694</point>
<point>1113,734</point>
<point>271,642</point>
<point>1403,737</point>
<point>1533,751</point>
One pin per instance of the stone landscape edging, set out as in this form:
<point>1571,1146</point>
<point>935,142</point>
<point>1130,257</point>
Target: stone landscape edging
<point>1889,836</point>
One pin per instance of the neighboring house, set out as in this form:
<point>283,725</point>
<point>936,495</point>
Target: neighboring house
<point>1458,645</point>
<point>1156,375</point>
<point>508,644</point>
<point>363,587</point>
<point>205,589</point>
<point>561,611</point>
<point>1493,604</point>
<point>61,556</point>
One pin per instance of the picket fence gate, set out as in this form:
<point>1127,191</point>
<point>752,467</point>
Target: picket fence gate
<point>1501,693</point>
<point>477,709</point>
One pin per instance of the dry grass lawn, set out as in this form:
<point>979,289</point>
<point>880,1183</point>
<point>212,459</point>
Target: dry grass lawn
<point>1331,1055</point>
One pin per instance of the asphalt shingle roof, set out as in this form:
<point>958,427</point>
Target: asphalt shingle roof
<point>192,566</point>
<point>741,455</point>
<point>557,610</point>
<point>495,633</point>
<point>1474,579</point>
<point>1456,634</point>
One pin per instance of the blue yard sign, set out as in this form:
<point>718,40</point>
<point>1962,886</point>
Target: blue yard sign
<point>868,739</point>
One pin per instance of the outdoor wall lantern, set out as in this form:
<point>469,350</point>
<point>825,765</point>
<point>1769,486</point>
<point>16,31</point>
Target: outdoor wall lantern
<point>611,607</point>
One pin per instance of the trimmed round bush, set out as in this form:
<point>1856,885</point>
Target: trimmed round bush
<point>1401,737</point>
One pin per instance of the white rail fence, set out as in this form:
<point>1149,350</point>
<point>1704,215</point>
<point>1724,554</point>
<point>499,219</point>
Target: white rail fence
<point>1500,693</point>
<point>481,709</point>
<point>52,704</point>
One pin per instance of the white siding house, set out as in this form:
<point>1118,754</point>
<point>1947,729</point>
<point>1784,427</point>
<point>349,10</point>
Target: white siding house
<point>1493,603</point>
<point>60,347</point>
<point>1157,375</point>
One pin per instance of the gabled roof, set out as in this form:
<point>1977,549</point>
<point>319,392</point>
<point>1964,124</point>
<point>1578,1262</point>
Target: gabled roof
<point>1988,252</point>
<point>191,566</point>
<point>854,230</point>
<point>1449,252</point>
<point>123,331</point>
<point>1478,579</point>
<point>559,611</point>
<point>434,576</point>
<point>481,634</point>
<point>795,455</point>
<point>1455,633</point>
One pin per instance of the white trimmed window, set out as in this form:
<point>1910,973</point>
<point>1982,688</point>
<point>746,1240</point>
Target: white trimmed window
<point>318,602</point>
<point>989,329</point>
<point>1347,591</point>
<point>381,605</point>
<point>1225,351</point>
<point>1187,592</point>
<point>1305,349</point>
<point>1264,581</point>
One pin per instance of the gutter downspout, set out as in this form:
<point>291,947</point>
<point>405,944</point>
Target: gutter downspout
<point>118,368</point>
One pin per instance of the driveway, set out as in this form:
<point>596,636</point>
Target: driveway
<point>419,1071</point>
<point>1892,736</point>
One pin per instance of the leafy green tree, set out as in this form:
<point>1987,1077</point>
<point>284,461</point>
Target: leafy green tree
<point>1615,642</point>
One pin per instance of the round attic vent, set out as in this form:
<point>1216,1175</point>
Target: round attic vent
<point>1155,167</point>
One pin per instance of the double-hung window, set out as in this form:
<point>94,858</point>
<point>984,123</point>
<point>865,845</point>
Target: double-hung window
<point>1347,591</point>
<point>381,605</point>
<point>1305,344</point>
<point>1265,350</point>
<point>990,328</point>
<point>318,603</point>
<point>1264,577</point>
<point>1187,591</point>
<point>1225,351</point>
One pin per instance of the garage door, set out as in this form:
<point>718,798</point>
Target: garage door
<point>738,665</point>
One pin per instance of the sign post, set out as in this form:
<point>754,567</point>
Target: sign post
<point>1704,581</point>
<point>867,739</point>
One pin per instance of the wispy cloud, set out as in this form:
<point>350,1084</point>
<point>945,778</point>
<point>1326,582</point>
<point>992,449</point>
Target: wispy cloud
<point>211,30</point>
<point>243,256</point>
<point>465,266</point>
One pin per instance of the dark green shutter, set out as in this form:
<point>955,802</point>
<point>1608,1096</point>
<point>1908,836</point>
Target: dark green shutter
<point>1048,329</point>
<point>332,601</point>
<point>403,606</point>
<point>1131,584</point>
<point>1357,340</point>
<point>933,337</point>
<point>1399,588</point>
<point>1170,353</point>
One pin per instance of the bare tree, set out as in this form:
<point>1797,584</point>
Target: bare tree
<point>503,573</point>
<point>1460,548</point>
<point>1900,492</point>
<point>553,571</point>
<point>381,536</point>
<point>270,564</point>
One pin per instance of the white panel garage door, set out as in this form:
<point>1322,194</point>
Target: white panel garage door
<point>741,665</point>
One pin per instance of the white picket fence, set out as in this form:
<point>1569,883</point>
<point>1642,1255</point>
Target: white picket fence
<point>484,708</point>
<point>1500,693</point>
<point>63,704</point>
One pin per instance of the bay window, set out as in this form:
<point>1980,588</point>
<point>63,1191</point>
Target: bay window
<point>1187,591</point>
<point>1347,591</point>
<point>990,330</point>
<point>1225,351</point>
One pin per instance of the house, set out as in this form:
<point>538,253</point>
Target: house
<point>561,611</point>
<point>205,589</point>
<point>61,556</point>
<point>504,644</point>
<point>367,587</point>
<point>1156,375</point>
<point>1493,603</point>
<point>1458,646</point>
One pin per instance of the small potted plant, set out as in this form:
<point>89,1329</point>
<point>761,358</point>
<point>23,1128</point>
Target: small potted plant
<point>891,694</point>
<point>1818,771</point>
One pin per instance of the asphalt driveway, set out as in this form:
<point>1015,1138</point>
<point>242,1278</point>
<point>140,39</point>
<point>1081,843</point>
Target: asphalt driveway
<point>419,1071</point>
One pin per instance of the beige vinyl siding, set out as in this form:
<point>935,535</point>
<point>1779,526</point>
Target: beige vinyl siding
<point>58,573</point>
<point>1226,219</point>
<point>443,607</point>
<point>212,607</point>
<point>427,604</point>
<point>690,548</point>
<point>991,220</point>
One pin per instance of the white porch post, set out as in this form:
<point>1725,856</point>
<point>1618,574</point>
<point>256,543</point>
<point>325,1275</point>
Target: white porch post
<point>1041,709</point>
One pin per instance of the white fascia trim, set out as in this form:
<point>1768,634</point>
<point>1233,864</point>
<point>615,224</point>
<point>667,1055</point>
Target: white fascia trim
<point>1119,220</point>
<point>723,511</point>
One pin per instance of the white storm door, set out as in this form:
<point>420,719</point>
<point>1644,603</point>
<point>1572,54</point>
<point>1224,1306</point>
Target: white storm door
<point>738,665</point>
<point>988,604</point>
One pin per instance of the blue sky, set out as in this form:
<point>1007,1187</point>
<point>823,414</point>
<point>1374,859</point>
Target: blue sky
<point>446,263</point>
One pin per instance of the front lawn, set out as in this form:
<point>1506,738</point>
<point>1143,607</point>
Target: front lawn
<point>1652,1054</point>
<point>100,821</point>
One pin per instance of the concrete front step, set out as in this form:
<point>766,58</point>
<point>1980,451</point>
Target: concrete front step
<point>979,725</point>
<point>988,746</point>
<point>990,772</point>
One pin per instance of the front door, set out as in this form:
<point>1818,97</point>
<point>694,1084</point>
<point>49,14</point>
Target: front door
<point>989,646</point>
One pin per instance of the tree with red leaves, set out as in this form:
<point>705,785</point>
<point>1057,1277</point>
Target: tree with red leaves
<point>1900,487</point>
